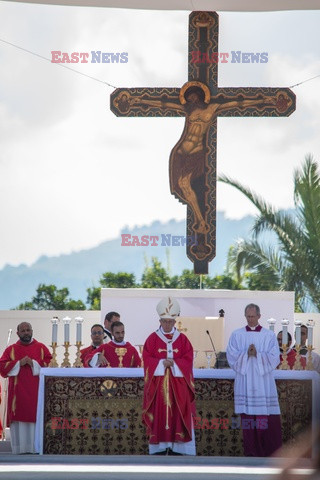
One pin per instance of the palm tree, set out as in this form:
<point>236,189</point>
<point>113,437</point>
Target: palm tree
<point>295,263</point>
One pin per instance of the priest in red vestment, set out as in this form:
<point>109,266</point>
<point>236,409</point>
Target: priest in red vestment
<point>169,400</point>
<point>117,353</point>
<point>97,334</point>
<point>21,362</point>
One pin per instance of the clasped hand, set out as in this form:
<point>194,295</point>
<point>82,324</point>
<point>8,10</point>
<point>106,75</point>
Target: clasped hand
<point>252,352</point>
<point>168,363</point>
<point>26,361</point>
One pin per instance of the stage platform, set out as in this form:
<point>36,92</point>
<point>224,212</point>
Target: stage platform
<point>143,467</point>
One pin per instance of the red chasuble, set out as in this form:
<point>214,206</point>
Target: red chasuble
<point>1,429</point>
<point>169,402</point>
<point>117,355</point>
<point>291,358</point>
<point>23,388</point>
<point>86,351</point>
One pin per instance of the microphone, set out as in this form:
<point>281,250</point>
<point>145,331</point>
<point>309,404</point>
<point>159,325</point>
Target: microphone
<point>211,342</point>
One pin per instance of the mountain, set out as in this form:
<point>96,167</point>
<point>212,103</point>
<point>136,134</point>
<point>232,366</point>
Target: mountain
<point>80,270</point>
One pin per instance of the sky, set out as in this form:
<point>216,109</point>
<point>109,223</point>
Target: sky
<point>73,175</point>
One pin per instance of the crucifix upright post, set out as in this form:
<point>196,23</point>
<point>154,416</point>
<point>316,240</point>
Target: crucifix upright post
<point>192,164</point>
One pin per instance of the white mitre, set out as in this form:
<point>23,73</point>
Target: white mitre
<point>168,307</point>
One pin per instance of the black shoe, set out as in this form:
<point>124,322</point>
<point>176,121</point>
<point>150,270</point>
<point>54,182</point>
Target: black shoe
<point>164,452</point>
<point>171,452</point>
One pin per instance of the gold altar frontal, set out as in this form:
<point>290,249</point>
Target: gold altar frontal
<point>81,413</point>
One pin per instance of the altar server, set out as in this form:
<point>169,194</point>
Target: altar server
<point>109,319</point>
<point>253,353</point>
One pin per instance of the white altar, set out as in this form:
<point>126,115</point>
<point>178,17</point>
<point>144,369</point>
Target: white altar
<point>116,374</point>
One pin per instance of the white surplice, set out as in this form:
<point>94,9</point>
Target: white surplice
<point>255,391</point>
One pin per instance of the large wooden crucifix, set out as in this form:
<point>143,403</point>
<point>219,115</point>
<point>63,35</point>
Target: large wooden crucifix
<point>192,164</point>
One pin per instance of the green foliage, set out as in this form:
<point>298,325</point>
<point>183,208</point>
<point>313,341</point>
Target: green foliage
<point>109,280</point>
<point>48,297</point>
<point>223,282</point>
<point>155,276</point>
<point>188,279</point>
<point>295,263</point>
<point>94,298</point>
<point>118,280</point>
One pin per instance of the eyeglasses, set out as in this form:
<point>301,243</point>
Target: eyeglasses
<point>96,333</point>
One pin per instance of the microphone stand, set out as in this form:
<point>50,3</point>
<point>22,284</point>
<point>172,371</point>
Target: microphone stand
<point>4,415</point>
<point>214,350</point>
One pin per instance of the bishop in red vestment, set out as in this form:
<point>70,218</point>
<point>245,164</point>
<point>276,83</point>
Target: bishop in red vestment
<point>116,353</point>
<point>169,400</point>
<point>21,362</point>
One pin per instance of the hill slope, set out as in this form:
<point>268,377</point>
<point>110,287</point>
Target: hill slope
<point>81,270</point>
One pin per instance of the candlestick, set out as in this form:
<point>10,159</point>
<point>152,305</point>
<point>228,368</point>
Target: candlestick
<point>284,324</point>
<point>53,363</point>
<point>284,364</point>
<point>271,323</point>
<point>66,321</point>
<point>309,365</point>
<point>78,363</point>
<point>297,333</point>
<point>297,364</point>
<point>55,321</point>
<point>79,321</point>
<point>66,362</point>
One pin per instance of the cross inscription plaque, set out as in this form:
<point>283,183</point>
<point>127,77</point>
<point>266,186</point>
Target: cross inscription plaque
<point>192,163</point>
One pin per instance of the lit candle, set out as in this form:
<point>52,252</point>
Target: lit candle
<point>79,321</point>
<point>284,324</point>
<point>66,322</point>
<point>55,321</point>
<point>271,322</point>
<point>298,332</point>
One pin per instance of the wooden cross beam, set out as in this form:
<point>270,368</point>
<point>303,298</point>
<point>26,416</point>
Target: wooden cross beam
<point>192,164</point>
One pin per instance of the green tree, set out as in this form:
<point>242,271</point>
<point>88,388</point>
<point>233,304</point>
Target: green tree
<point>295,263</point>
<point>94,298</point>
<point>48,297</point>
<point>155,276</point>
<point>118,280</point>
<point>109,280</point>
<point>225,282</point>
<point>188,279</point>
